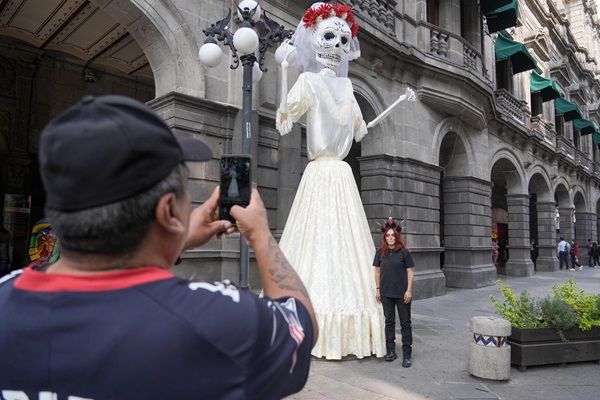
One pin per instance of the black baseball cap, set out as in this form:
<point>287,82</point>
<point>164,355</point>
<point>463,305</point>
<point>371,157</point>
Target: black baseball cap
<point>108,148</point>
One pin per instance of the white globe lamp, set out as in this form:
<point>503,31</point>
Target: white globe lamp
<point>256,72</point>
<point>210,54</point>
<point>245,40</point>
<point>249,5</point>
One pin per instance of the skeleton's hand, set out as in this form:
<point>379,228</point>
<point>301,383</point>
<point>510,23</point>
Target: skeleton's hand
<point>410,94</point>
<point>285,53</point>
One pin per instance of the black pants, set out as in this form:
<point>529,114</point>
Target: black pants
<point>573,261</point>
<point>389,310</point>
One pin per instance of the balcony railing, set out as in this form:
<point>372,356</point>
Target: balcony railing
<point>581,159</point>
<point>543,130</point>
<point>452,47</point>
<point>381,12</point>
<point>511,107</point>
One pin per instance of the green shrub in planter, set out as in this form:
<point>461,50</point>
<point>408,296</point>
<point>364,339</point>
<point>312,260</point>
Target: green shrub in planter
<point>567,307</point>
<point>558,314</point>
<point>586,306</point>
<point>522,310</point>
<point>541,333</point>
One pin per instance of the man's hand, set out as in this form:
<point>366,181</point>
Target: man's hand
<point>407,297</point>
<point>204,224</point>
<point>252,220</point>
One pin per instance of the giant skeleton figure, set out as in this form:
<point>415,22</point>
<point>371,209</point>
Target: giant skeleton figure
<point>327,237</point>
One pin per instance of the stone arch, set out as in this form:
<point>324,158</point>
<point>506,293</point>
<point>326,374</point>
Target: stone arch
<point>465,215</point>
<point>455,153</point>
<point>163,34</point>
<point>510,214</point>
<point>540,183</point>
<point>561,193</point>
<point>507,163</point>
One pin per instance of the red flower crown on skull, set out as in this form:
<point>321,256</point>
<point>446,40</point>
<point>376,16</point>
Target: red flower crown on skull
<point>324,11</point>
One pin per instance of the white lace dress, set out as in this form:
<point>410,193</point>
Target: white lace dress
<point>326,237</point>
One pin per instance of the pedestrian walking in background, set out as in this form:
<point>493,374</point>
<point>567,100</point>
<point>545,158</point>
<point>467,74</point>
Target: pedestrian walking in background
<point>495,253</point>
<point>574,252</point>
<point>595,254</point>
<point>589,252</point>
<point>533,253</point>
<point>394,275</point>
<point>562,251</point>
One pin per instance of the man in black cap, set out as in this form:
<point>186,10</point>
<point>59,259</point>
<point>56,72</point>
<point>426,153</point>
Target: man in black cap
<point>108,320</point>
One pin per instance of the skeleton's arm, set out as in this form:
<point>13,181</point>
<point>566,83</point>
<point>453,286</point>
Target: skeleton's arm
<point>289,52</point>
<point>408,95</point>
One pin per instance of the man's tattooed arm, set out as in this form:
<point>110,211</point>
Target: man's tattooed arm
<point>278,277</point>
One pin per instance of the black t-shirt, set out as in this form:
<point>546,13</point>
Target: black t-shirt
<point>394,278</point>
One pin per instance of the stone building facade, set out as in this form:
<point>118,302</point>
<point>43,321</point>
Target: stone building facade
<point>477,154</point>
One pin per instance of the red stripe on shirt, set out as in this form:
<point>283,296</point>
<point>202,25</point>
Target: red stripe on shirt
<point>38,281</point>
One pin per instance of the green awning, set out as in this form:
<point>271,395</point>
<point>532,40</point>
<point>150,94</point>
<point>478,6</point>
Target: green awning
<point>596,138</point>
<point>520,57</point>
<point>503,17</point>
<point>491,5</point>
<point>547,87</point>
<point>568,110</point>
<point>584,126</point>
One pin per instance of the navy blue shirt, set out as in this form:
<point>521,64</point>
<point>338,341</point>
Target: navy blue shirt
<point>393,279</point>
<point>146,334</point>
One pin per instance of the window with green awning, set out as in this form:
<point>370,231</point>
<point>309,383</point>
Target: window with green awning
<point>568,110</point>
<point>520,58</point>
<point>596,138</point>
<point>584,126</point>
<point>546,87</point>
<point>503,17</point>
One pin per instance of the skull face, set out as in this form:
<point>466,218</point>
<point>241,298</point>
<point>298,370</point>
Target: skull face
<point>330,40</point>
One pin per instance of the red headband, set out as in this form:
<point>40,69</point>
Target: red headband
<point>390,224</point>
<point>324,11</point>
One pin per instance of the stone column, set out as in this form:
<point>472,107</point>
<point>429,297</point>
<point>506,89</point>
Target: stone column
<point>450,16</point>
<point>519,262</point>
<point>546,212</point>
<point>567,230</point>
<point>586,223</point>
<point>467,227</point>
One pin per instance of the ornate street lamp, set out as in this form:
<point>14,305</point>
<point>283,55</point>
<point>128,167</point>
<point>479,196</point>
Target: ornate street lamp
<point>243,45</point>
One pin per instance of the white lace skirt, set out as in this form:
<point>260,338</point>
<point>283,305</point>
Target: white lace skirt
<point>327,241</point>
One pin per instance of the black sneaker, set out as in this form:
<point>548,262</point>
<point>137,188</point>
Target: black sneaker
<point>406,363</point>
<point>391,356</point>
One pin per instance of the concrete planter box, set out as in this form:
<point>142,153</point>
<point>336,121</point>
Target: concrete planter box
<point>542,346</point>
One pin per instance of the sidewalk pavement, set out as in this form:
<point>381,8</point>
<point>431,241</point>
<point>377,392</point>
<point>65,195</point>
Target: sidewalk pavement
<point>440,370</point>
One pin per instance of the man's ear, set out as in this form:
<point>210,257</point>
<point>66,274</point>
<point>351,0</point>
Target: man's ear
<point>169,214</point>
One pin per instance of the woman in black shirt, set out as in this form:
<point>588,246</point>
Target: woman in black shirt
<point>394,280</point>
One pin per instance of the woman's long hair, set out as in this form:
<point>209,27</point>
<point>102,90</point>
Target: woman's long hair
<point>383,247</point>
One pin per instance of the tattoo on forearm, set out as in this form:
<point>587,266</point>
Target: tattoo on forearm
<point>282,273</point>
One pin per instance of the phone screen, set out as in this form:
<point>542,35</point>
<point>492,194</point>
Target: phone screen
<point>236,182</point>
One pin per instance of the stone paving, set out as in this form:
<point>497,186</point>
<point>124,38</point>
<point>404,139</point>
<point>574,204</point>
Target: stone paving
<point>440,370</point>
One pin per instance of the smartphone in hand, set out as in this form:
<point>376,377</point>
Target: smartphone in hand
<point>236,183</point>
